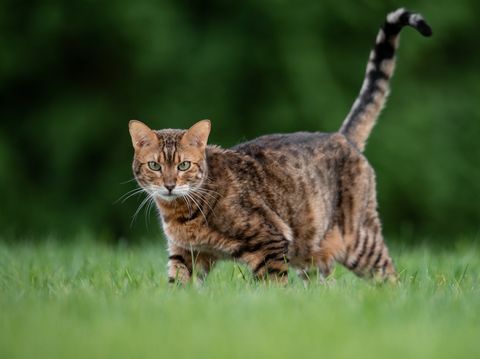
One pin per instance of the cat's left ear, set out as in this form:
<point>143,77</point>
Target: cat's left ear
<point>197,135</point>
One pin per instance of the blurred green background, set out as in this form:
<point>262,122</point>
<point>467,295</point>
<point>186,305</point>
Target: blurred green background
<point>73,73</point>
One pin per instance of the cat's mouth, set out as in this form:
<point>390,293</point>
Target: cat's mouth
<point>170,195</point>
<point>167,196</point>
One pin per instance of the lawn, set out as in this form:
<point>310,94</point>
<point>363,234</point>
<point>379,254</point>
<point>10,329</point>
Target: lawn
<point>91,300</point>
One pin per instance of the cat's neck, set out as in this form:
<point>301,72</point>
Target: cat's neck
<point>174,209</point>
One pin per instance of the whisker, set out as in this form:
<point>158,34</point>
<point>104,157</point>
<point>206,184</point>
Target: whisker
<point>203,196</point>
<point>204,190</point>
<point>204,200</point>
<point>210,184</point>
<point>148,210</point>
<point>207,199</point>
<point>130,180</point>
<point>188,205</point>
<point>208,191</point>
<point>129,194</point>
<point>146,199</point>
<point>198,206</point>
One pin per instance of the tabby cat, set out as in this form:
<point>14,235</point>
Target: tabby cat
<point>305,200</point>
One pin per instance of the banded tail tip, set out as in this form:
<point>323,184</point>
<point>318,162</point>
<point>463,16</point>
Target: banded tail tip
<point>424,28</point>
<point>402,17</point>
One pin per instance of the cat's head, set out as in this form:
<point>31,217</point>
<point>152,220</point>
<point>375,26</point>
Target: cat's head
<point>169,163</point>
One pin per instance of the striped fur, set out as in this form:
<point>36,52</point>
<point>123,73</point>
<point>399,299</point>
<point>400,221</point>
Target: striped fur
<point>376,85</point>
<point>302,200</point>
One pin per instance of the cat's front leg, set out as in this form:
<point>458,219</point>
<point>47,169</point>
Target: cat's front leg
<point>179,265</point>
<point>182,263</point>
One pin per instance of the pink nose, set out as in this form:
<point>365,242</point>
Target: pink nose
<point>170,187</point>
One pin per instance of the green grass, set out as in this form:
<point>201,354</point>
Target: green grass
<point>94,301</point>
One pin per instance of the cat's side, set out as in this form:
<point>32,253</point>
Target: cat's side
<point>305,200</point>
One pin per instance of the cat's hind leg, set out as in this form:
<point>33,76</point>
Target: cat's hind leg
<point>267,258</point>
<point>369,257</point>
<point>265,248</point>
<point>331,249</point>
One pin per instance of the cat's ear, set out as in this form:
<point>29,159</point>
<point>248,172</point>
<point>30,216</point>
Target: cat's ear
<point>197,135</point>
<point>142,135</point>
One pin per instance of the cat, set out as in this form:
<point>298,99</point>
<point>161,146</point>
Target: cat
<point>305,200</point>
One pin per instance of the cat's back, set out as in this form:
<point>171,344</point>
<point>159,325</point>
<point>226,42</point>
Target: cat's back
<point>301,164</point>
<point>288,163</point>
<point>300,148</point>
<point>279,141</point>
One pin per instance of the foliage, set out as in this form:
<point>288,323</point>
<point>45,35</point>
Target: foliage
<point>73,73</point>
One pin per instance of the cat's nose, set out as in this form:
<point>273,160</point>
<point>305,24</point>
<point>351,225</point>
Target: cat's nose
<point>170,187</point>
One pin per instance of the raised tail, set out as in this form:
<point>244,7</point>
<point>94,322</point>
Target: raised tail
<point>376,85</point>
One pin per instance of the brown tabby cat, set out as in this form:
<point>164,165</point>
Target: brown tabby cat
<point>303,199</point>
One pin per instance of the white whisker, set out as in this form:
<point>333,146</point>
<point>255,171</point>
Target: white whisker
<point>188,205</point>
<point>208,192</point>
<point>203,199</point>
<point>150,204</point>
<point>146,199</point>
<point>198,206</point>
<point>129,194</point>
<point>130,180</point>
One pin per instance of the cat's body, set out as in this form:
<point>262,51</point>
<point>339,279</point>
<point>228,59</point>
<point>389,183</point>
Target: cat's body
<point>294,198</point>
<point>305,200</point>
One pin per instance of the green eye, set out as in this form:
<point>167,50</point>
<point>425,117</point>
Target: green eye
<point>185,165</point>
<point>154,166</point>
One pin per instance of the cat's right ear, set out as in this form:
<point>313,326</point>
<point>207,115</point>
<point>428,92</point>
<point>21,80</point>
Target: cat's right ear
<point>142,135</point>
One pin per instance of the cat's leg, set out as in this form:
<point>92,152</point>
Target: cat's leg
<point>365,251</point>
<point>305,274</point>
<point>203,263</point>
<point>180,264</point>
<point>331,249</point>
<point>272,268</point>
<point>369,256</point>
<point>267,258</point>
<point>263,242</point>
<point>314,273</point>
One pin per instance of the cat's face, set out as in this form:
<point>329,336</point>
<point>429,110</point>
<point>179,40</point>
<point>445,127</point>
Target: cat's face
<point>169,163</point>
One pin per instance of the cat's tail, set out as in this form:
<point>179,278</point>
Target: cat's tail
<point>376,85</point>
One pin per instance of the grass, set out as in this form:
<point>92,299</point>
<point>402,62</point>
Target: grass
<point>91,300</point>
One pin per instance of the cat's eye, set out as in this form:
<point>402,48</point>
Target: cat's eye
<point>185,165</point>
<point>154,166</point>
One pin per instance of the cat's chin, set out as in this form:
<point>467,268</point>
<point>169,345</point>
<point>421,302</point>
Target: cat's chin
<point>167,197</point>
